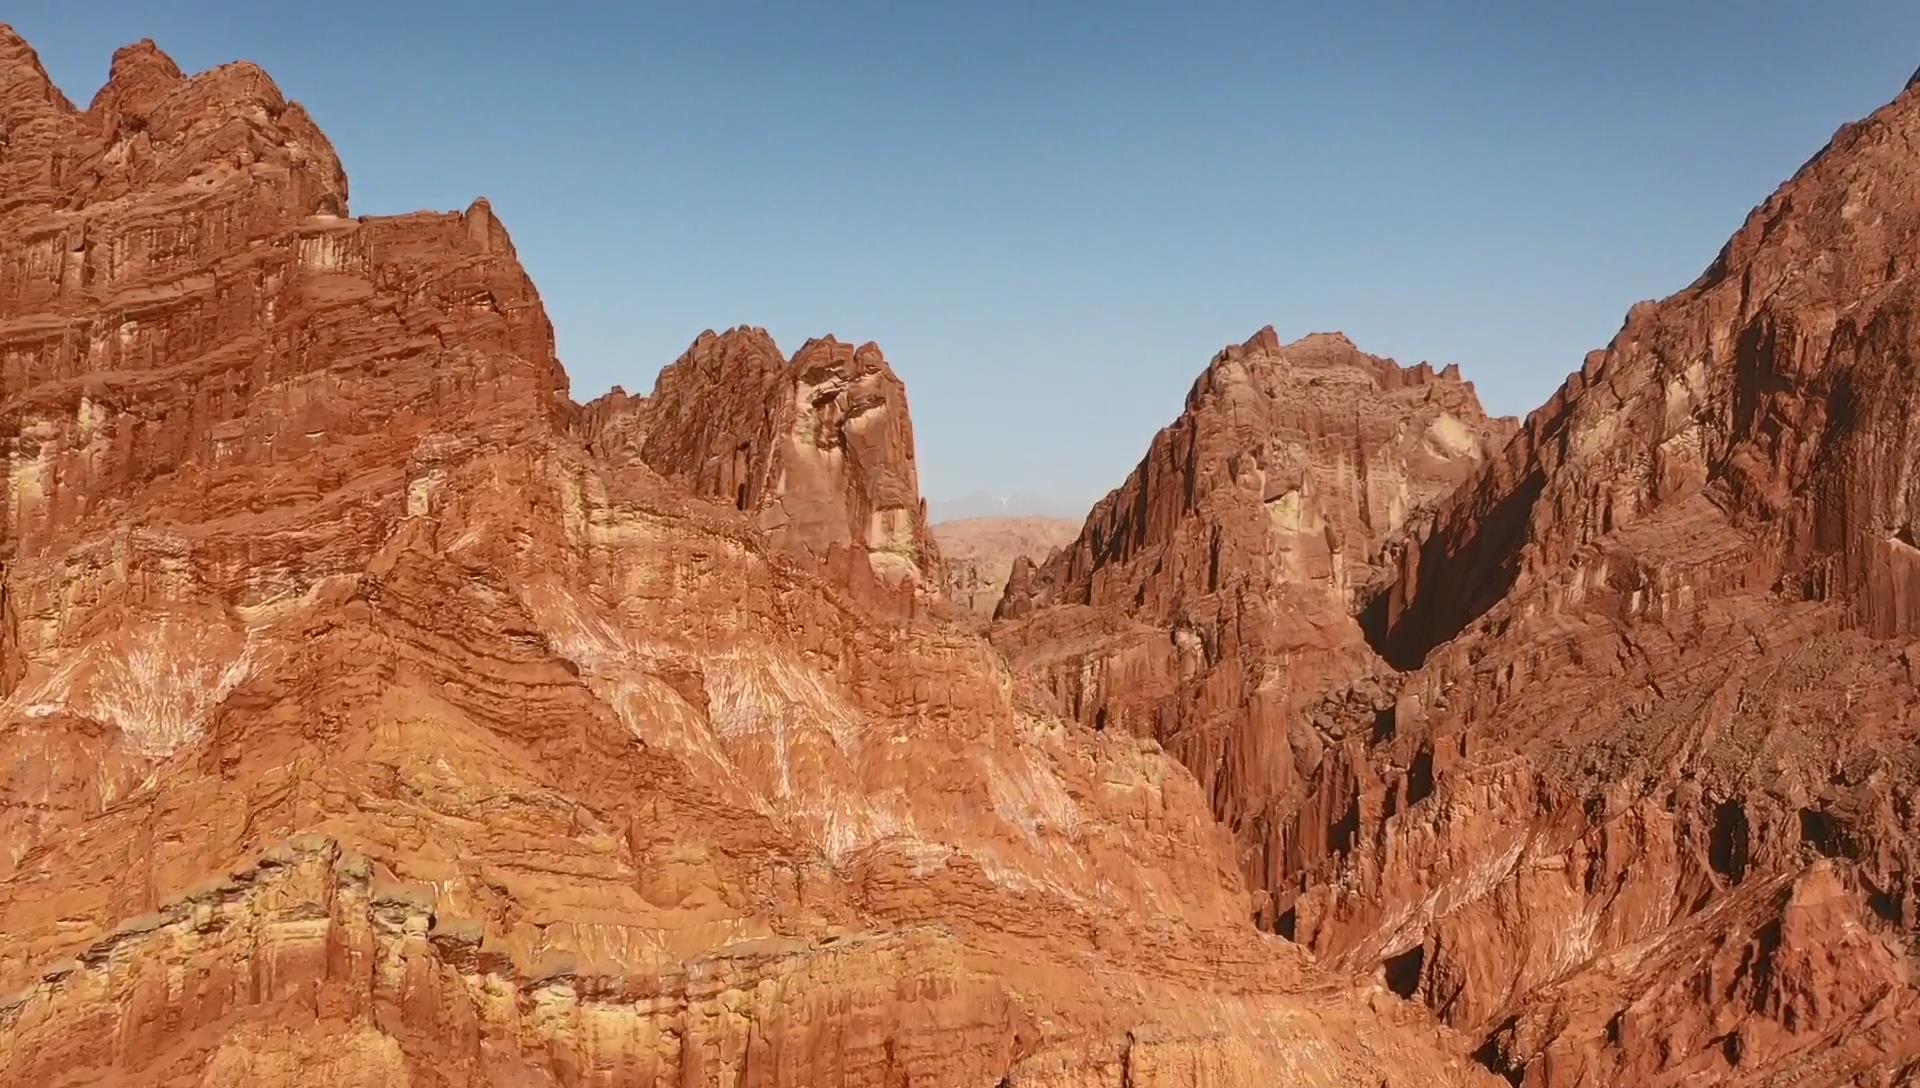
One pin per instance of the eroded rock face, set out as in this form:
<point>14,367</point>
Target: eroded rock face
<point>1649,783</point>
<point>1628,793</point>
<point>1636,805</point>
<point>375,715</point>
<point>979,554</point>
<point>1210,602</point>
<point>819,448</point>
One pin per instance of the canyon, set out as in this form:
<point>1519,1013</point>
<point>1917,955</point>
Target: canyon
<point>979,554</point>
<point>1595,736</point>
<point>372,712</point>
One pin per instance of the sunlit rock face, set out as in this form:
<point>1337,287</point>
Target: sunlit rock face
<point>371,714</point>
<point>1616,770</point>
<point>1213,600</point>
<point>818,449</point>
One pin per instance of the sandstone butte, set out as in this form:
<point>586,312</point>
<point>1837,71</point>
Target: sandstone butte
<point>373,714</point>
<point>1596,736</point>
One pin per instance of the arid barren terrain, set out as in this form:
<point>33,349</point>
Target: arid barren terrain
<point>372,713</point>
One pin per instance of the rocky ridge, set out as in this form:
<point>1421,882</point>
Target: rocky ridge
<point>373,714</point>
<point>1621,781</point>
<point>1212,600</point>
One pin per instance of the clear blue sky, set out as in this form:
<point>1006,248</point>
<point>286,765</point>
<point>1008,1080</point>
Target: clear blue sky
<point>1051,215</point>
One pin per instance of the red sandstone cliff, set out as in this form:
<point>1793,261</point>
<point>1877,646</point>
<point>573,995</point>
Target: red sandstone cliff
<point>1629,794</point>
<point>374,715</point>
<point>1210,602</point>
<point>1661,689</point>
<point>819,448</point>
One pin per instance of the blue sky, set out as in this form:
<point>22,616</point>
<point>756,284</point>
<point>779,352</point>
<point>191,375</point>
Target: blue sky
<point>1050,216</point>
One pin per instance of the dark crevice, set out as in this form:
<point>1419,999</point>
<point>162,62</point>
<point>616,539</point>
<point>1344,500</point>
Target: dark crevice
<point>1727,847</point>
<point>1346,833</point>
<point>1420,776</point>
<point>1457,576</point>
<point>1757,964</point>
<point>1402,972</point>
<point>1885,904</point>
<point>1383,725</point>
<point>1492,1056</point>
<point>1825,834</point>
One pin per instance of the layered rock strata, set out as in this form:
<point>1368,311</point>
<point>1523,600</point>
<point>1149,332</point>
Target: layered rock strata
<point>372,714</point>
<point>1211,601</point>
<point>1627,793</point>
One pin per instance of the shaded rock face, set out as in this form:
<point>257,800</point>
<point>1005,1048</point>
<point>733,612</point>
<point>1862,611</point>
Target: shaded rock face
<point>978,554</point>
<point>373,714</point>
<point>1660,659</point>
<point>1210,602</point>
<point>819,448</point>
<point>1777,390</point>
<point>1629,794</point>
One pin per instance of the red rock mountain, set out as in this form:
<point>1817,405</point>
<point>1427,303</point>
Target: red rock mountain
<point>371,714</point>
<point>1211,602</point>
<point>1628,791</point>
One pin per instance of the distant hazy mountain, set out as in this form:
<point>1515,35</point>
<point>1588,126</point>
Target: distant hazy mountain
<point>1020,504</point>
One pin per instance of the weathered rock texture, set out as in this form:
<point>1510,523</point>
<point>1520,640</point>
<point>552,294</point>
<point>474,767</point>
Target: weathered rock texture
<point>373,715</point>
<point>819,448</point>
<point>979,553</point>
<point>1630,795</point>
<point>1210,602</point>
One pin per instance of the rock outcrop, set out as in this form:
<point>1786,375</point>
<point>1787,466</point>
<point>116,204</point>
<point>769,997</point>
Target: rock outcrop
<point>1659,710</point>
<point>373,714</point>
<point>819,448</point>
<point>1628,793</point>
<point>1211,601</point>
<point>979,554</point>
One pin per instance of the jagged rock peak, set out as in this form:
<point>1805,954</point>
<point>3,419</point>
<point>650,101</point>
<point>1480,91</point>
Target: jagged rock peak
<point>1333,350</point>
<point>140,79</point>
<point>1321,367</point>
<point>218,206</point>
<point>1222,579</point>
<point>1762,409</point>
<point>23,80</point>
<point>817,447</point>
<point>140,75</point>
<point>150,124</point>
<point>829,352</point>
<point>742,353</point>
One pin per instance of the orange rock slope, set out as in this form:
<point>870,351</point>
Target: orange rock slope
<point>1610,759</point>
<point>371,714</point>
